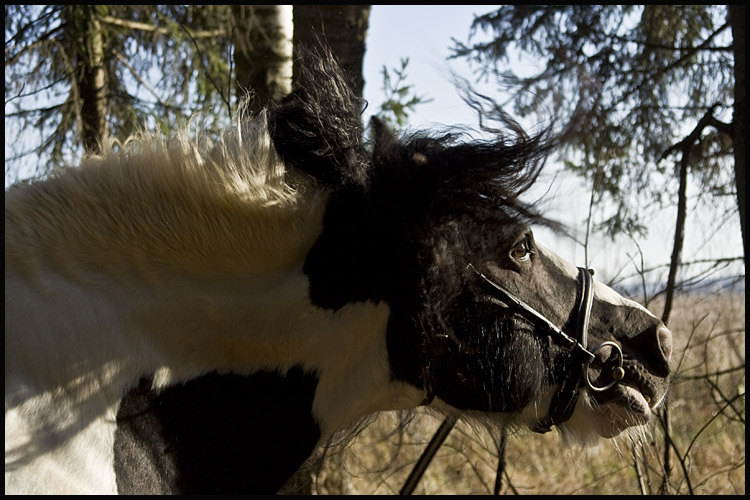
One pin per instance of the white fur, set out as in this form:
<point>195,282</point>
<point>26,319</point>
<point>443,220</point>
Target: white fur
<point>175,258</point>
<point>601,291</point>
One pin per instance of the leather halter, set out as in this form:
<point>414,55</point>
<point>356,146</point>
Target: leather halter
<point>564,400</point>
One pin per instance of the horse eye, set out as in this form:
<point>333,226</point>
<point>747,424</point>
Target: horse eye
<point>521,252</point>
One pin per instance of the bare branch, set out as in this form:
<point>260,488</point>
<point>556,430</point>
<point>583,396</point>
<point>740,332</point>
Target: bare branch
<point>712,374</point>
<point>714,417</point>
<point>138,77</point>
<point>135,25</point>
<point>708,119</point>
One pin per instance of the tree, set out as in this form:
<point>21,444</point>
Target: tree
<point>737,15</point>
<point>266,53</point>
<point>78,74</point>
<point>262,52</point>
<point>343,28</point>
<point>630,82</point>
<point>58,44</point>
<point>89,76</point>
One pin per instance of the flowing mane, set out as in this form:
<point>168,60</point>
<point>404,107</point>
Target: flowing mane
<point>183,202</point>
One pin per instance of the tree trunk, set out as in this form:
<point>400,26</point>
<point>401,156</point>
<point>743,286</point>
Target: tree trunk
<point>737,19</point>
<point>343,27</point>
<point>262,52</point>
<point>679,236</point>
<point>85,31</point>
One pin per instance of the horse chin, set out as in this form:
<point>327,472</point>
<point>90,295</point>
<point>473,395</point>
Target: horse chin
<point>591,420</point>
<point>628,409</point>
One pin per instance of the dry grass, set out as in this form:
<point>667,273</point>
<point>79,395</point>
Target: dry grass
<point>707,415</point>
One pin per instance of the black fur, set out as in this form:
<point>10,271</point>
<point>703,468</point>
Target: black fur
<point>215,434</point>
<point>402,225</point>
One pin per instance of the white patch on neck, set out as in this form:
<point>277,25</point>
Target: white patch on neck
<point>601,291</point>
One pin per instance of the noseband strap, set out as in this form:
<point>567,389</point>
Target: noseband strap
<point>564,400</point>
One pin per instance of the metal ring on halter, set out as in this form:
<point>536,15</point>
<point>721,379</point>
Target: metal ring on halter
<point>617,373</point>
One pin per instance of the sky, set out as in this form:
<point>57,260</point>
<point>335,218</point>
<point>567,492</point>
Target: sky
<point>395,34</point>
<point>423,34</point>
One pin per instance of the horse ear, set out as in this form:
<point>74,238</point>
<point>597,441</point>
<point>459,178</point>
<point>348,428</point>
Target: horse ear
<point>383,140</point>
<point>317,127</point>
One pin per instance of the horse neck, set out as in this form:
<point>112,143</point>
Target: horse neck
<point>108,267</point>
<point>100,304</point>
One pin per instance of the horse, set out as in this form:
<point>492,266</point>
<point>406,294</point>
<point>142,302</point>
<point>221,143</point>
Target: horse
<point>189,316</point>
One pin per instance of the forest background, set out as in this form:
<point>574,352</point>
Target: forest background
<point>648,101</point>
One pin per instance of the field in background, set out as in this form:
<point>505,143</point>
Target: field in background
<point>707,415</point>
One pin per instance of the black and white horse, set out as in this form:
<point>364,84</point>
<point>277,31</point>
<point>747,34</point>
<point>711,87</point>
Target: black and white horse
<point>187,317</point>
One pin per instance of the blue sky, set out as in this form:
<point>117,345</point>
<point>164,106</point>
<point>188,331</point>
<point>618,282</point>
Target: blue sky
<point>423,34</point>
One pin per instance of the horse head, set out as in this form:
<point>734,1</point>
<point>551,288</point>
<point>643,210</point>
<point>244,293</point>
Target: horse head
<point>425,224</point>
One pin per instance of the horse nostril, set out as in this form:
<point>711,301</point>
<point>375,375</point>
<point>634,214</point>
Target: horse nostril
<point>664,338</point>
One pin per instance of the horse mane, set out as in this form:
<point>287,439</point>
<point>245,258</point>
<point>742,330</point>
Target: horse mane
<point>317,128</point>
<point>162,199</point>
